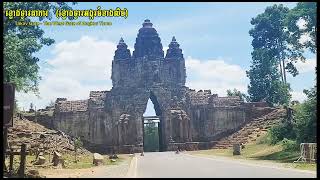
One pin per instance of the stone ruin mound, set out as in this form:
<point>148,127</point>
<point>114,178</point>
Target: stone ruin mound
<point>39,139</point>
<point>251,131</point>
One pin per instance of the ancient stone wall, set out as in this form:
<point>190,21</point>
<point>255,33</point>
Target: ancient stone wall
<point>212,116</point>
<point>43,119</point>
<point>72,117</point>
<point>110,123</point>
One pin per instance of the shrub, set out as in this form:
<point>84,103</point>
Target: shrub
<point>289,145</point>
<point>265,139</point>
<point>306,122</point>
<point>281,131</point>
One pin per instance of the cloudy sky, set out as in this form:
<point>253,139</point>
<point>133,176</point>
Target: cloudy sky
<point>213,36</point>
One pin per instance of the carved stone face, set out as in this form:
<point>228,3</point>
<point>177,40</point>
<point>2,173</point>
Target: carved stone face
<point>155,68</point>
<point>180,115</point>
<point>124,119</point>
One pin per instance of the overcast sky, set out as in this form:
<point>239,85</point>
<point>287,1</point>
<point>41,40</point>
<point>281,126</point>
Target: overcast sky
<point>213,36</point>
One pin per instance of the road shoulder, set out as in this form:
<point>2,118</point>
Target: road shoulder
<point>260,163</point>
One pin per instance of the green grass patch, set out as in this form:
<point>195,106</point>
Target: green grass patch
<point>305,166</point>
<point>263,151</point>
<point>264,139</point>
<point>86,161</point>
<point>218,152</point>
<point>83,161</point>
<point>280,156</point>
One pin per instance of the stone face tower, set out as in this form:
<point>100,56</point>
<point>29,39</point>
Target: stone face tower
<point>147,67</point>
<point>113,120</point>
<point>148,74</point>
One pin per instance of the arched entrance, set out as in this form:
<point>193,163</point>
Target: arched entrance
<point>153,126</point>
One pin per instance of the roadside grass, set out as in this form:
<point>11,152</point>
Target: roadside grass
<point>83,161</point>
<point>86,161</point>
<point>305,166</point>
<point>262,151</point>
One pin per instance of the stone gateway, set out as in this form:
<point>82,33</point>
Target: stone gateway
<point>112,121</point>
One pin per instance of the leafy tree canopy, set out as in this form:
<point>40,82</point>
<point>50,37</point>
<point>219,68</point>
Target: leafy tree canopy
<point>238,93</point>
<point>21,42</point>
<point>306,11</point>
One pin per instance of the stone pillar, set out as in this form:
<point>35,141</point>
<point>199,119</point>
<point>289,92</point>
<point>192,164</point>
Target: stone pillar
<point>139,129</point>
<point>189,130</point>
<point>125,134</point>
<point>119,133</point>
<point>170,128</point>
<point>186,129</point>
<point>180,127</point>
<point>236,149</point>
<point>164,126</point>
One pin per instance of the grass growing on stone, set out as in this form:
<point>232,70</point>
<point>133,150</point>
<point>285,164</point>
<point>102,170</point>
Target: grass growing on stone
<point>263,152</point>
<point>39,113</point>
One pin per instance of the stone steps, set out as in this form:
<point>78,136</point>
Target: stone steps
<point>252,130</point>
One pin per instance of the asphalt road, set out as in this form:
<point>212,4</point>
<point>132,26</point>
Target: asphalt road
<point>169,164</point>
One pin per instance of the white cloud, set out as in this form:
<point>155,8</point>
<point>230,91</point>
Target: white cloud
<point>302,24</point>
<point>298,96</point>
<point>86,58</point>
<point>307,66</point>
<point>304,38</point>
<point>216,75</point>
<point>76,68</point>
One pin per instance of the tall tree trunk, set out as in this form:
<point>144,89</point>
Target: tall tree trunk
<point>284,72</point>
<point>281,70</point>
<point>280,59</point>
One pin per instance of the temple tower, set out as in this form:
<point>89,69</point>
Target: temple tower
<point>148,73</point>
<point>147,67</point>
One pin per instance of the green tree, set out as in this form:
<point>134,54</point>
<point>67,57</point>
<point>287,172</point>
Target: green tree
<point>306,118</point>
<point>306,11</point>
<point>270,33</point>
<point>270,51</point>
<point>21,42</point>
<point>265,84</point>
<point>304,127</point>
<point>238,93</point>
<point>151,137</point>
<point>282,131</point>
